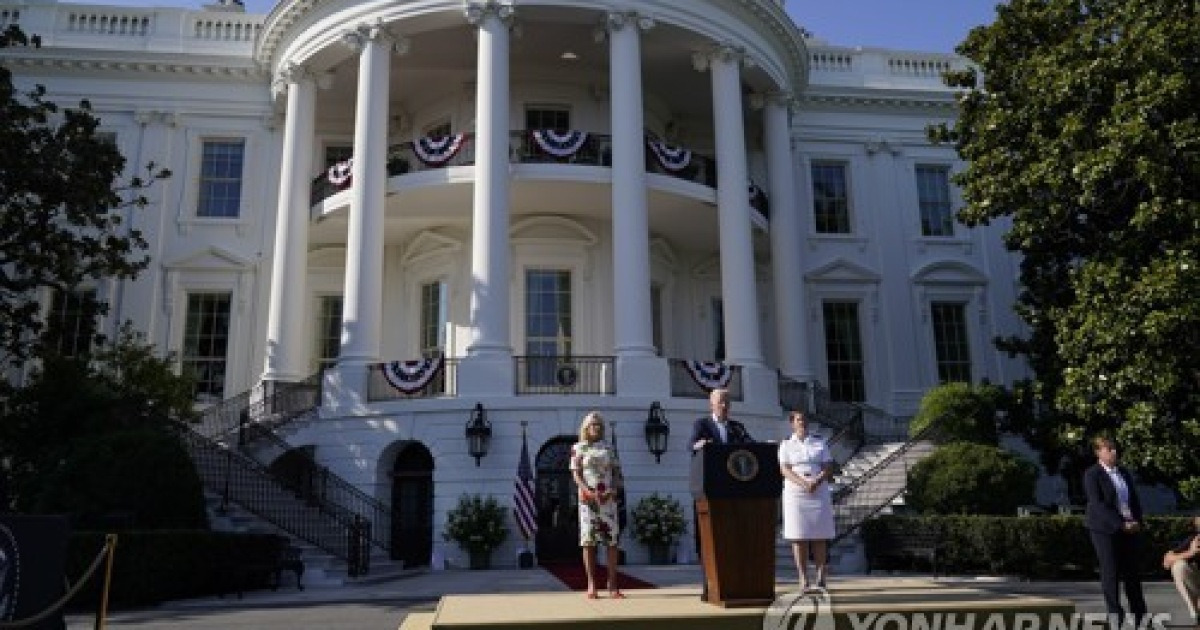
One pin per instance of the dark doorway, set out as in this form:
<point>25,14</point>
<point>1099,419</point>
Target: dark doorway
<point>412,506</point>
<point>557,504</point>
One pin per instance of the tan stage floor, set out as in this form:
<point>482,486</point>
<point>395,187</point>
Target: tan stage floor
<point>890,599</point>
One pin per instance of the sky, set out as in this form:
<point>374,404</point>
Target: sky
<point>920,25</point>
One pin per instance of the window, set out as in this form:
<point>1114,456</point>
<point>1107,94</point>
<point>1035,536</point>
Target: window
<point>717,307</point>
<point>843,352</point>
<point>329,331</point>
<point>548,329</point>
<point>950,345</point>
<point>656,316</point>
<point>433,319</point>
<point>438,130</point>
<point>71,322</point>
<point>831,201</point>
<point>933,196</point>
<point>335,154</point>
<point>221,178</point>
<point>206,343</point>
<point>548,117</point>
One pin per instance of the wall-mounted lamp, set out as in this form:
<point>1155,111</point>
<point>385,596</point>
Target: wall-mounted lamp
<point>479,433</point>
<point>657,431</point>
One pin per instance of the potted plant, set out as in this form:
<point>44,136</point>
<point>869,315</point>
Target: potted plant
<point>658,523</point>
<point>477,525</point>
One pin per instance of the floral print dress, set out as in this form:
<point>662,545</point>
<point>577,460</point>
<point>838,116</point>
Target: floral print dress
<point>597,462</point>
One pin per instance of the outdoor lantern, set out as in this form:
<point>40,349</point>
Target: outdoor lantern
<point>479,433</point>
<point>657,431</point>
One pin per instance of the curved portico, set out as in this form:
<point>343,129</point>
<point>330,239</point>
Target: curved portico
<point>466,66</point>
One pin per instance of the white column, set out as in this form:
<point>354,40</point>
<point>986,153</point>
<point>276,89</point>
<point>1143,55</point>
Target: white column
<point>285,321</point>
<point>363,302</point>
<point>786,270</point>
<point>632,314</point>
<point>490,211</point>
<point>743,344</point>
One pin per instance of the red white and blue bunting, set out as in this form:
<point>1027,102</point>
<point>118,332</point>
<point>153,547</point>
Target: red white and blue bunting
<point>411,377</point>
<point>671,158</point>
<point>709,375</point>
<point>437,151</point>
<point>339,174</point>
<point>559,145</point>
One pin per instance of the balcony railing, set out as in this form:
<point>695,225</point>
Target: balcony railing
<point>529,147</point>
<point>405,380</point>
<point>574,375</point>
<point>695,379</point>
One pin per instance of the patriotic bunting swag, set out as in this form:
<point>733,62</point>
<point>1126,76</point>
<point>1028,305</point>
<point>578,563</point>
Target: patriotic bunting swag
<point>437,151</point>
<point>523,497</point>
<point>411,377</point>
<point>559,145</point>
<point>673,159</point>
<point>709,374</point>
<point>339,174</point>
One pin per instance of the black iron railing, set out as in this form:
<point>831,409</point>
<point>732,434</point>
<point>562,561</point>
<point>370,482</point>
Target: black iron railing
<point>239,479</point>
<point>274,406</point>
<point>861,499</point>
<point>570,375</point>
<point>596,150</point>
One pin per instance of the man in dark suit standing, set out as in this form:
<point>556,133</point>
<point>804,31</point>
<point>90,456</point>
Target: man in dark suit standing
<point>715,428</point>
<point>1114,521</point>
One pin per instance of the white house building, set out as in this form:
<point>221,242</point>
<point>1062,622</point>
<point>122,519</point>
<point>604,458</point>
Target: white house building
<point>564,205</point>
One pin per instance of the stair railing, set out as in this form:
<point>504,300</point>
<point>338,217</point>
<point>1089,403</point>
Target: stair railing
<point>242,480</point>
<point>850,515</point>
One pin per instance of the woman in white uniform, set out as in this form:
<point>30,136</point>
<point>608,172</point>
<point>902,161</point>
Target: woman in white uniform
<point>807,469</point>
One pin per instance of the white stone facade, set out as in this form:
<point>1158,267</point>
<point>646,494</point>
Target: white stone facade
<point>730,80</point>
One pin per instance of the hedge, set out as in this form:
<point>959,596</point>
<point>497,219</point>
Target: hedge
<point>1033,547</point>
<point>155,566</point>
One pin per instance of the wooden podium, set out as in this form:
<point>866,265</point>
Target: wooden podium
<point>736,488</point>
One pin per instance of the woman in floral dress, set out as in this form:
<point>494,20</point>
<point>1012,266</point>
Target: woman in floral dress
<point>597,474</point>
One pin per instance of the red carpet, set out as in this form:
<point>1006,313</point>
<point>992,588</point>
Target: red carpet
<point>573,576</point>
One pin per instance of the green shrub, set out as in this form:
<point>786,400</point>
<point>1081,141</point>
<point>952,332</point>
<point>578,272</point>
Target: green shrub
<point>1034,547</point>
<point>142,476</point>
<point>476,524</point>
<point>967,413</point>
<point>967,478</point>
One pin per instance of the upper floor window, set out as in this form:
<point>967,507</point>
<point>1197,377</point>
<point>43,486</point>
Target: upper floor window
<point>950,341</point>
<point>656,317</point>
<point>553,117</point>
<point>221,164</point>
<point>71,322</point>
<point>548,322</point>
<point>831,198</point>
<point>933,196</point>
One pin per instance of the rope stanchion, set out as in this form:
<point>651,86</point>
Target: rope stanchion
<point>110,546</point>
<point>110,541</point>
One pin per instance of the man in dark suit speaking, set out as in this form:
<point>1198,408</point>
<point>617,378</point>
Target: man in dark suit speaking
<point>1114,521</point>
<point>717,427</point>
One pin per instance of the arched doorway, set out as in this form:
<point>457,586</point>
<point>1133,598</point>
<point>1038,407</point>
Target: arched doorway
<point>557,504</point>
<point>412,505</point>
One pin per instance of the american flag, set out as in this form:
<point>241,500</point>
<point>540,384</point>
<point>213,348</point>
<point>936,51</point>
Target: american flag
<point>526,512</point>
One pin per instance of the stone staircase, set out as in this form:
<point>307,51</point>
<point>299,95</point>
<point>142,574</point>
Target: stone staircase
<point>881,493</point>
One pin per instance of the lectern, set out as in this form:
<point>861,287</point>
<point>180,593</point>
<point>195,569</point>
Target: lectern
<point>736,488</point>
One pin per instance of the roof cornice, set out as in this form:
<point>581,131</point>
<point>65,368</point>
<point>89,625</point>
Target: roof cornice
<point>221,68</point>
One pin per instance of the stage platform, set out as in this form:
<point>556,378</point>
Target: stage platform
<point>850,600</point>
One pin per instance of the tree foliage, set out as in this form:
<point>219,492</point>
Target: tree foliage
<point>1079,125</point>
<point>61,205</point>
<point>969,478</point>
<point>964,412</point>
<point>72,402</point>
